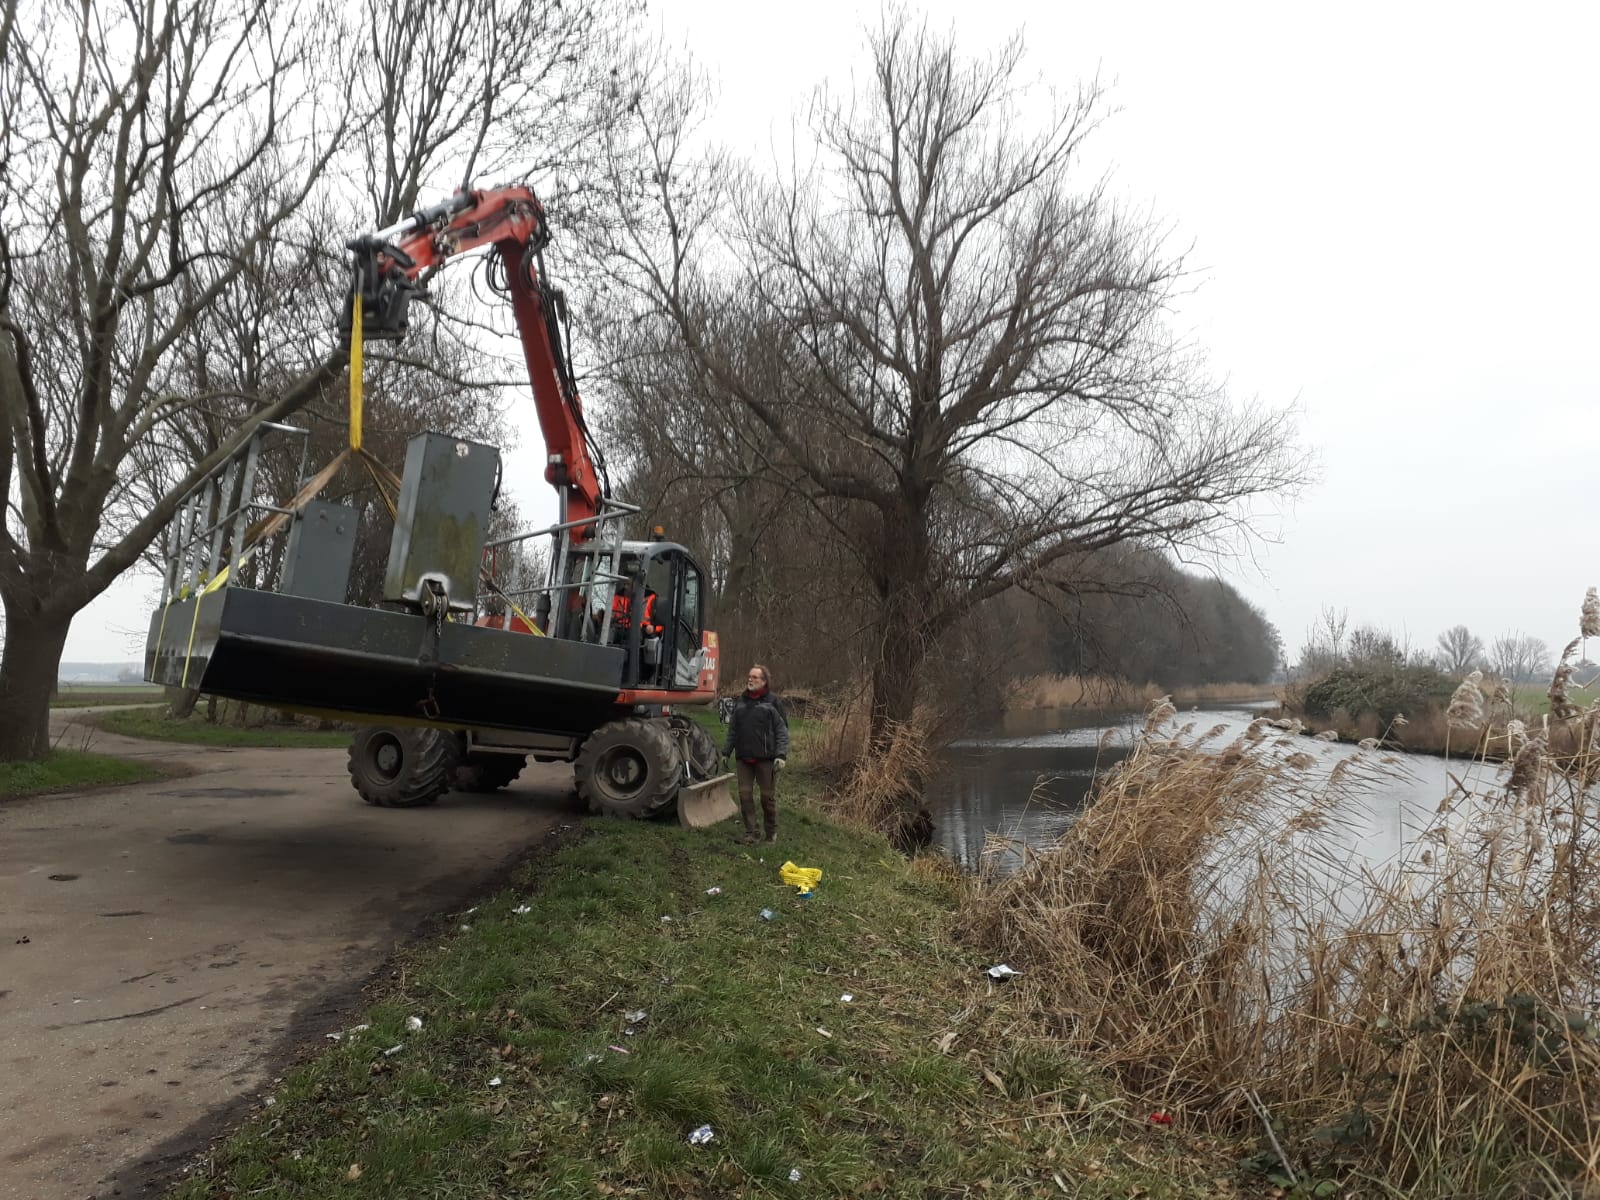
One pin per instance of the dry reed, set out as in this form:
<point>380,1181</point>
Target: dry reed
<point>874,787</point>
<point>1427,1028</point>
<point>1466,704</point>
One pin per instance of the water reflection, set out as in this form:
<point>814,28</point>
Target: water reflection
<point>1027,780</point>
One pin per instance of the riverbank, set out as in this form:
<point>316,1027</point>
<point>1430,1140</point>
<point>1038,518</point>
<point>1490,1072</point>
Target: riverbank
<point>579,1028</point>
<point>1419,1022</point>
<point>1089,691</point>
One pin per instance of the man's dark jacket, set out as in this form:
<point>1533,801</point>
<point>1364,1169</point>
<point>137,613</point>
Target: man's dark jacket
<point>758,729</point>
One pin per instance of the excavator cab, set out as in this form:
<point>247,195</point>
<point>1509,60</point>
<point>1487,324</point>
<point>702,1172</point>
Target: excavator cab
<point>653,609</point>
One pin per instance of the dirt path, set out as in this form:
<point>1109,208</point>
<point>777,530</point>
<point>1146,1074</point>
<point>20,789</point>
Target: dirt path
<point>160,943</point>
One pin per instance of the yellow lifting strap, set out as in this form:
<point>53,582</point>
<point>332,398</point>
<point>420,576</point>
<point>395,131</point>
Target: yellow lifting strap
<point>355,373</point>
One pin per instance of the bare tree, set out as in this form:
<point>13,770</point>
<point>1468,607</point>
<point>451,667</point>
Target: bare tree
<point>168,252</point>
<point>1373,649</point>
<point>954,343</point>
<point>1459,651</point>
<point>1323,649</point>
<point>144,153</point>
<point>1517,656</point>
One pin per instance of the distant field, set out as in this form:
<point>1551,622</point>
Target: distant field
<point>86,695</point>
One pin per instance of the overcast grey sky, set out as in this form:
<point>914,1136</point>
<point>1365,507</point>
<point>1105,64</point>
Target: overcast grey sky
<point>1392,209</point>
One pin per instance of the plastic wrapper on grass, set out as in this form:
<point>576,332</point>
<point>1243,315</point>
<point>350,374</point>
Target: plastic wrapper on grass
<point>702,1136</point>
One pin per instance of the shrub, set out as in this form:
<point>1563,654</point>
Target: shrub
<point>1385,692</point>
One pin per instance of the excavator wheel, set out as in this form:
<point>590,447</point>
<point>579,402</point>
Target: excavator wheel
<point>698,747</point>
<point>487,772</point>
<point>403,768</point>
<point>629,768</point>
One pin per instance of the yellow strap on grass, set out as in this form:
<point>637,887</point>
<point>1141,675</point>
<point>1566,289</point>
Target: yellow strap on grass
<point>355,374</point>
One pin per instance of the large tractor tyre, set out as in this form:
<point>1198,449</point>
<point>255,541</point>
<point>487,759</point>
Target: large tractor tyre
<point>629,768</point>
<point>699,748</point>
<point>488,772</point>
<point>403,768</point>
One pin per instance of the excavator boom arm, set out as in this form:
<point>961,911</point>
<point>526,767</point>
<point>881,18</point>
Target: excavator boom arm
<point>390,265</point>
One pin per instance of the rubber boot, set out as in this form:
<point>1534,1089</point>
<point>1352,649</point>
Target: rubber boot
<point>747,810</point>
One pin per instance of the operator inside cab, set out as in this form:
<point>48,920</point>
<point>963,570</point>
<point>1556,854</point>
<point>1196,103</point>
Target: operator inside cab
<point>622,614</point>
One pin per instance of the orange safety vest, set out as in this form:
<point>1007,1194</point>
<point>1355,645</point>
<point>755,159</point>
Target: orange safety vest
<point>620,616</point>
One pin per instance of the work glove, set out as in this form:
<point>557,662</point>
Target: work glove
<point>778,762</point>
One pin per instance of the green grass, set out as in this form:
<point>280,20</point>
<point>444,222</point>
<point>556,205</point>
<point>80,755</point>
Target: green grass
<point>920,1087</point>
<point>69,770</point>
<point>86,695</point>
<point>706,715</point>
<point>1533,699</point>
<point>154,723</point>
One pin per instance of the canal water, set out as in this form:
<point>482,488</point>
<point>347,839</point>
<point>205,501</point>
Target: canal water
<point>1023,782</point>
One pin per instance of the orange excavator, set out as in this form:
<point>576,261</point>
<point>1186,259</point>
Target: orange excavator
<point>468,667</point>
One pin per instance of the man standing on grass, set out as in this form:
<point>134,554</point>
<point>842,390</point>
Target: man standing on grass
<point>758,738</point>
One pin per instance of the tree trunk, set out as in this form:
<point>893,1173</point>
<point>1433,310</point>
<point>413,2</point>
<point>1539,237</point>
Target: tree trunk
<point>902,650</point>
<point>903,607</point>
<point>894,675</point>
<point>28,668</point>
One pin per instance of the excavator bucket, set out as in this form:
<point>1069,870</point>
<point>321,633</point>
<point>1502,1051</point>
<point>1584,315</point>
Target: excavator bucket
<point>706,803</point>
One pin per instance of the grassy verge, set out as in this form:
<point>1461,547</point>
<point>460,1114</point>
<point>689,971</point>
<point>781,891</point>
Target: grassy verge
<point>154,723</point>
<point>68,770</point>
<point>529,1077</point>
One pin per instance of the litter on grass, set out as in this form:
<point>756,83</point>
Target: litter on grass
<point>522,908</point>
<point>636,1017</point>
<point>392,1051</point>
<point>413,1023</point>
<point>666,920</point>
<point>495,1082</point>
<point>702,1135</point>
<point>846,998</point>
<point>1002,971</point>
<point>618,1049</point>
<point>767,914</point>
<point>794,1175</point>
<point>823,1032</point>
<point>713,891</point>
<point>803,878</point>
